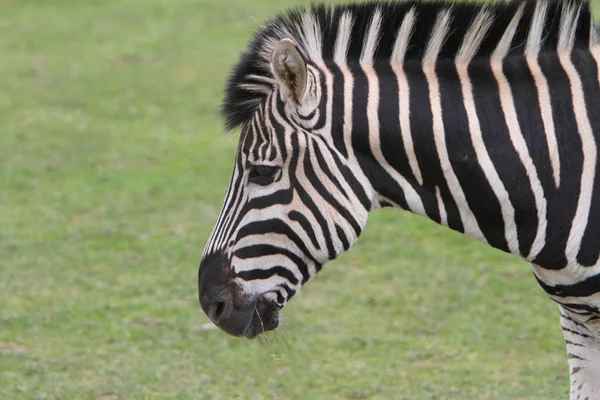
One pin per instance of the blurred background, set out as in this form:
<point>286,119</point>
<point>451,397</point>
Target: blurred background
<point>113,166</point>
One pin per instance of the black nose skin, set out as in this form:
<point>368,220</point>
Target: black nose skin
<point>219,297</point>
<point>214,275</point>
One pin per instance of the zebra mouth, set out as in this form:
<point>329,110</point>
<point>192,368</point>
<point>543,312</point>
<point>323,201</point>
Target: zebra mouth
<point>265,318</point>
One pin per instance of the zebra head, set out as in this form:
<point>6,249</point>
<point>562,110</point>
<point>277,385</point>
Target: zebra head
<point>294,200</point>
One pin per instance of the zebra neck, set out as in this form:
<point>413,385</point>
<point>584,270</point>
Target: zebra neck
<point>471,146</point>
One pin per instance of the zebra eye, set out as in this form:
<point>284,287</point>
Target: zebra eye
<point>262,174</point>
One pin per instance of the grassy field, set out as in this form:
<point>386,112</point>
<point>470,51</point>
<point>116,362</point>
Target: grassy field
<point>113,165</point>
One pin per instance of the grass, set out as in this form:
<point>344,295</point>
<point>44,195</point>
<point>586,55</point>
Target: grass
<point>112,170</point>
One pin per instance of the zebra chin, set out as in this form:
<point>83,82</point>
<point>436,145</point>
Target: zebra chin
<point>225,303</point>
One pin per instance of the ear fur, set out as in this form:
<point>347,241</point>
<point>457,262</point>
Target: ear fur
<point>289,68</point>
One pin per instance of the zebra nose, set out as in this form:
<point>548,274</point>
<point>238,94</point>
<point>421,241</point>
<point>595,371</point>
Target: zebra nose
<point>220,308</point>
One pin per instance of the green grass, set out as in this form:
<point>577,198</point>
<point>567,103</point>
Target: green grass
<point>112,170</point>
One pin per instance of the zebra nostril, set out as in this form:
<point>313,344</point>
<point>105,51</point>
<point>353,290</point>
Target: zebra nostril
<point>221,308</point>
<point>216,311</point>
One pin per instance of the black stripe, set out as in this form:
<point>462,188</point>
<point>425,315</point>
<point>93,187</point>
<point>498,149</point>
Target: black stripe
<point>278,132</point>
<point>337,112</point>
<point>573,343</point>
<point>378,177</point>
<point>572,320</point>
<point>262,250</point>
<point>392,147</point>
<point>584,288</point>
<point>575,356</point>
<point>306,226</point>
<point>267,273</point>
<point>322,120</point>
<point>276,226</point>
<point>282,197</point>
<point>308,116</point>
<point>342,236</point>
<point>581,309</point>
<point>326,194</point>
<point>421,125</point>
<point>324,168</point>
<point>502,153</point>
<point>349,176</point>
<point>480,196</point>
<point>526,101</point>
<point>289,291</point>
<point>562,202</point>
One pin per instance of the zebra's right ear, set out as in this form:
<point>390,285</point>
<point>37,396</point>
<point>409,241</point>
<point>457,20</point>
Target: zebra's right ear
<point>289,67</point>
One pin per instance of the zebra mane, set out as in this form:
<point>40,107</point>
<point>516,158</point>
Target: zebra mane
<point>469,29</point>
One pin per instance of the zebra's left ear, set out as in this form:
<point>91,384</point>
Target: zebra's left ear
<point>289,68</point>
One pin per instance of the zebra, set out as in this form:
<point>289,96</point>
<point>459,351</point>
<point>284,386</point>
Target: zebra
<point>481,117</point>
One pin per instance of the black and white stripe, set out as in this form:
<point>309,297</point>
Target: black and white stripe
<point>483,118</point>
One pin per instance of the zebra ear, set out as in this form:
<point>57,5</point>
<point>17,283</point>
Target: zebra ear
<point>289,68</point>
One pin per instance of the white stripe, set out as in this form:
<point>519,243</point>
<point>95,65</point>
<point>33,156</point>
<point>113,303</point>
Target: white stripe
<point>343,38</point>
<point>403,37</point>
<point>474,36</point>
<point>589,160</point>
<point>413,200</point>
<point>503,46</point>
<point>348,89</point>
<point>565,276</point>
<point>265,142</point>
<point>516,136</point>
<point>534,40</point>
<point>372,39</point>
<point>253,133</point>
<point>340,60</point>
<point>267,80</point>
<point>438,37</point>
<point>441,207</point>
<point>311,37</point>
<point>249,264</point>
<point>397,63</point>
<point>440,31</point>
<point>568,28</point>
<point>508,211</point>
<point>532,49</point>
<point>545,104</point>
<point>256,88</point>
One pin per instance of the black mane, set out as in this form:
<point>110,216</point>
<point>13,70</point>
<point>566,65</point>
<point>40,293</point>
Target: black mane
<point>239,103</point>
